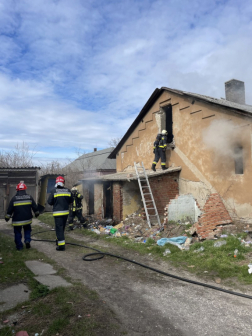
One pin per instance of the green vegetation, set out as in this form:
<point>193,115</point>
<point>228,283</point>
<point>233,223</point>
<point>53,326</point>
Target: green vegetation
<point>211,263</point>
<point>74,311</point>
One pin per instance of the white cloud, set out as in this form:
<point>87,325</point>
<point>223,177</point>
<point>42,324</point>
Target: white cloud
<point>75,74</point>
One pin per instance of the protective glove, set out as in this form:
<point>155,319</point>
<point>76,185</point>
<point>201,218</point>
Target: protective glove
<point>36,214</point>
<point>153,151</point>
<point>7,219</point>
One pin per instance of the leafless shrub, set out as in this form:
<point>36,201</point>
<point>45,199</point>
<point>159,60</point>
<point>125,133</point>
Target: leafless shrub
<point>21,156</point>
<point>114,142</point>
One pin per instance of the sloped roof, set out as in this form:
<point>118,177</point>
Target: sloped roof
<point>237,108</point>
<point>97,160</point>
<point>129,176</point>
<point>19,168</point>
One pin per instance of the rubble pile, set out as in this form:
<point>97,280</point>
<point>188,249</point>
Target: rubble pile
<point>136,228</point>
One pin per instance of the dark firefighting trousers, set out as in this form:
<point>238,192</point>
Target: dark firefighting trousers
<point>160,153</point>
<point>60,224</point>
<point>18,235</point>
<point>78,214</point>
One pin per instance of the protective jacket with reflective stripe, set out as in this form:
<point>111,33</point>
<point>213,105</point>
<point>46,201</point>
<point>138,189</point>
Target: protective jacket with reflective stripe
<point>21,206</point>
<point>160,142</point>
<point>60,198</point>
<point>76,205</point>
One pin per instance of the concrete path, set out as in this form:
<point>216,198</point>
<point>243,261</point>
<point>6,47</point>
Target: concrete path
<point>45,275</point>
<point>11,296</point>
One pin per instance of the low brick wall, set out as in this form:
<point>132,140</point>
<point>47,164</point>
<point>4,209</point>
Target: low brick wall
<point>214,215</point>
<point>117,202</point>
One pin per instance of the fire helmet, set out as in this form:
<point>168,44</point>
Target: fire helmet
<point>21,186</point>
<point>74,189</point>
<point>60,179</point>
<point>164,132</point>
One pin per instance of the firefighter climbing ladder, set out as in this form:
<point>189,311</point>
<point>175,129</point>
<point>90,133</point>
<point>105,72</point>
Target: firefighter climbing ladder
<point>145,189</point>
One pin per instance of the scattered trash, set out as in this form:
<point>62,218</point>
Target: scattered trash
<point>79,315</point>
<point>205,271</point>
<point>166,252</point>
<point>1,262</point>
<point>88,315</point>
<point>201,249</point>
<point>250,268</point>
<point>177,241</point>
<point>218,280</point>
<point>235,253</point>
<point>220,243</point>
<point>223,236</point>
<point>6,321</point>
<point>37,334</point>
<point>191,266</point>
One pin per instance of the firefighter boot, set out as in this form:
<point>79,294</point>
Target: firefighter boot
<point>153,167</point>
<point>60,248</point>
<point>164,167</point>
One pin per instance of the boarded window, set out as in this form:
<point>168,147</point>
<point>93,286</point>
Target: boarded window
<point>238,157</point>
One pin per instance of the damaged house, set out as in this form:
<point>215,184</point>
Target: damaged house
<point>209,170</point>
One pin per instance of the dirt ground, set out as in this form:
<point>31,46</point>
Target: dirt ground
<point>147,303</point>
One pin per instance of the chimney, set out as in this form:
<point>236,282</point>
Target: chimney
<point>95,149</point>
<point>235,91</point>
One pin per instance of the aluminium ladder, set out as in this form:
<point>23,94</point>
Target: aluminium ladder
<point>145,189</point>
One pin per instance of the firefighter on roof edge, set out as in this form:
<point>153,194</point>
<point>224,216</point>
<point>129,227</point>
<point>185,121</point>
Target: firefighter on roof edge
<point>60,198</point>
<point>159,149</point>
<point>20,209</point>
<point>76,208</point>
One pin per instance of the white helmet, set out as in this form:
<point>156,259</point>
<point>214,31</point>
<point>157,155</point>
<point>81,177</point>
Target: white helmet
<point>74,188</point>
<point>164,132</point>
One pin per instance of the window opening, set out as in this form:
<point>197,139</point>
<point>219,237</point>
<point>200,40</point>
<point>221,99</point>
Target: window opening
<point>238,158</point>
<point>168,122</point>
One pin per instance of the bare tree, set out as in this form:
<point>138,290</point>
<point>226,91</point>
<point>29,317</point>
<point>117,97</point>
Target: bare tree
<point>114,142</point>
<point>53,167</point>
<point>21,156</point>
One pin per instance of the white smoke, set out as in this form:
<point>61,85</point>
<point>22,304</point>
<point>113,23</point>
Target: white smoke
<point>226,139</point>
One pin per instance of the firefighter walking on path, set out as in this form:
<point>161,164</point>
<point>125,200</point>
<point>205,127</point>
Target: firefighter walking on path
<point>159,150</point>
<point>20,208</point>
<point>75,208</point>
<point>60,197</point>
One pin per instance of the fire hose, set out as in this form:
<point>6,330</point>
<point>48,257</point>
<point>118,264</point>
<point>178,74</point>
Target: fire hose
<point>101,254</point>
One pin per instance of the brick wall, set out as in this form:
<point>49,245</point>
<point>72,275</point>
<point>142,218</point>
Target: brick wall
<point>214,214</point>
<point>98,200</point>
<point>164,188</point>
<point>117,202</point>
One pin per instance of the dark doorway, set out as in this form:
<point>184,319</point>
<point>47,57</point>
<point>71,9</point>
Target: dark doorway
<point>91,199</point>
<point>108,200</point>
<point>169,122</point>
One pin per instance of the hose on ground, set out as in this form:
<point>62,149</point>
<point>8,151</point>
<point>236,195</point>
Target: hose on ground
<point>101,255</point>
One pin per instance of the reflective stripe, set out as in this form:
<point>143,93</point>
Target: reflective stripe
<point>154,162</point>
<point>57,195</point>
<point>24,203</point>
<point>60,213</point>
<point>161,146</point>
<point>62,242</point>
<point>163,164</point>
<point>22,222</point>
<point>8,216</point>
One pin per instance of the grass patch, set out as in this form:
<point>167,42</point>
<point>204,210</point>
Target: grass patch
<point>72,311</point>
<point>216,261</point>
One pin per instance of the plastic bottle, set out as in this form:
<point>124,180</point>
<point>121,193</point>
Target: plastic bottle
<point>235,253</point>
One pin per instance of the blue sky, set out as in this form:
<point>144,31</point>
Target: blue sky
<point>74,74</point>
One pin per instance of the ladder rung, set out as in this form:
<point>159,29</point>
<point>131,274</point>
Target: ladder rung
<point>148,201</point>
<point>152,215</point>
<point>150,208</point>
<point>147,194</point>
<point>145,186</point>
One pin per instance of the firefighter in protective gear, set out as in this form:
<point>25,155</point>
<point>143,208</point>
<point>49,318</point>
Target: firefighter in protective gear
<point>20,208</point>
<point>60,197</point>
<point>76,208</point>
<point>159,150</point>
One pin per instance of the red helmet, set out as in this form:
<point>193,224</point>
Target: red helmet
<point>21,186</point>
<point>60,179</point>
